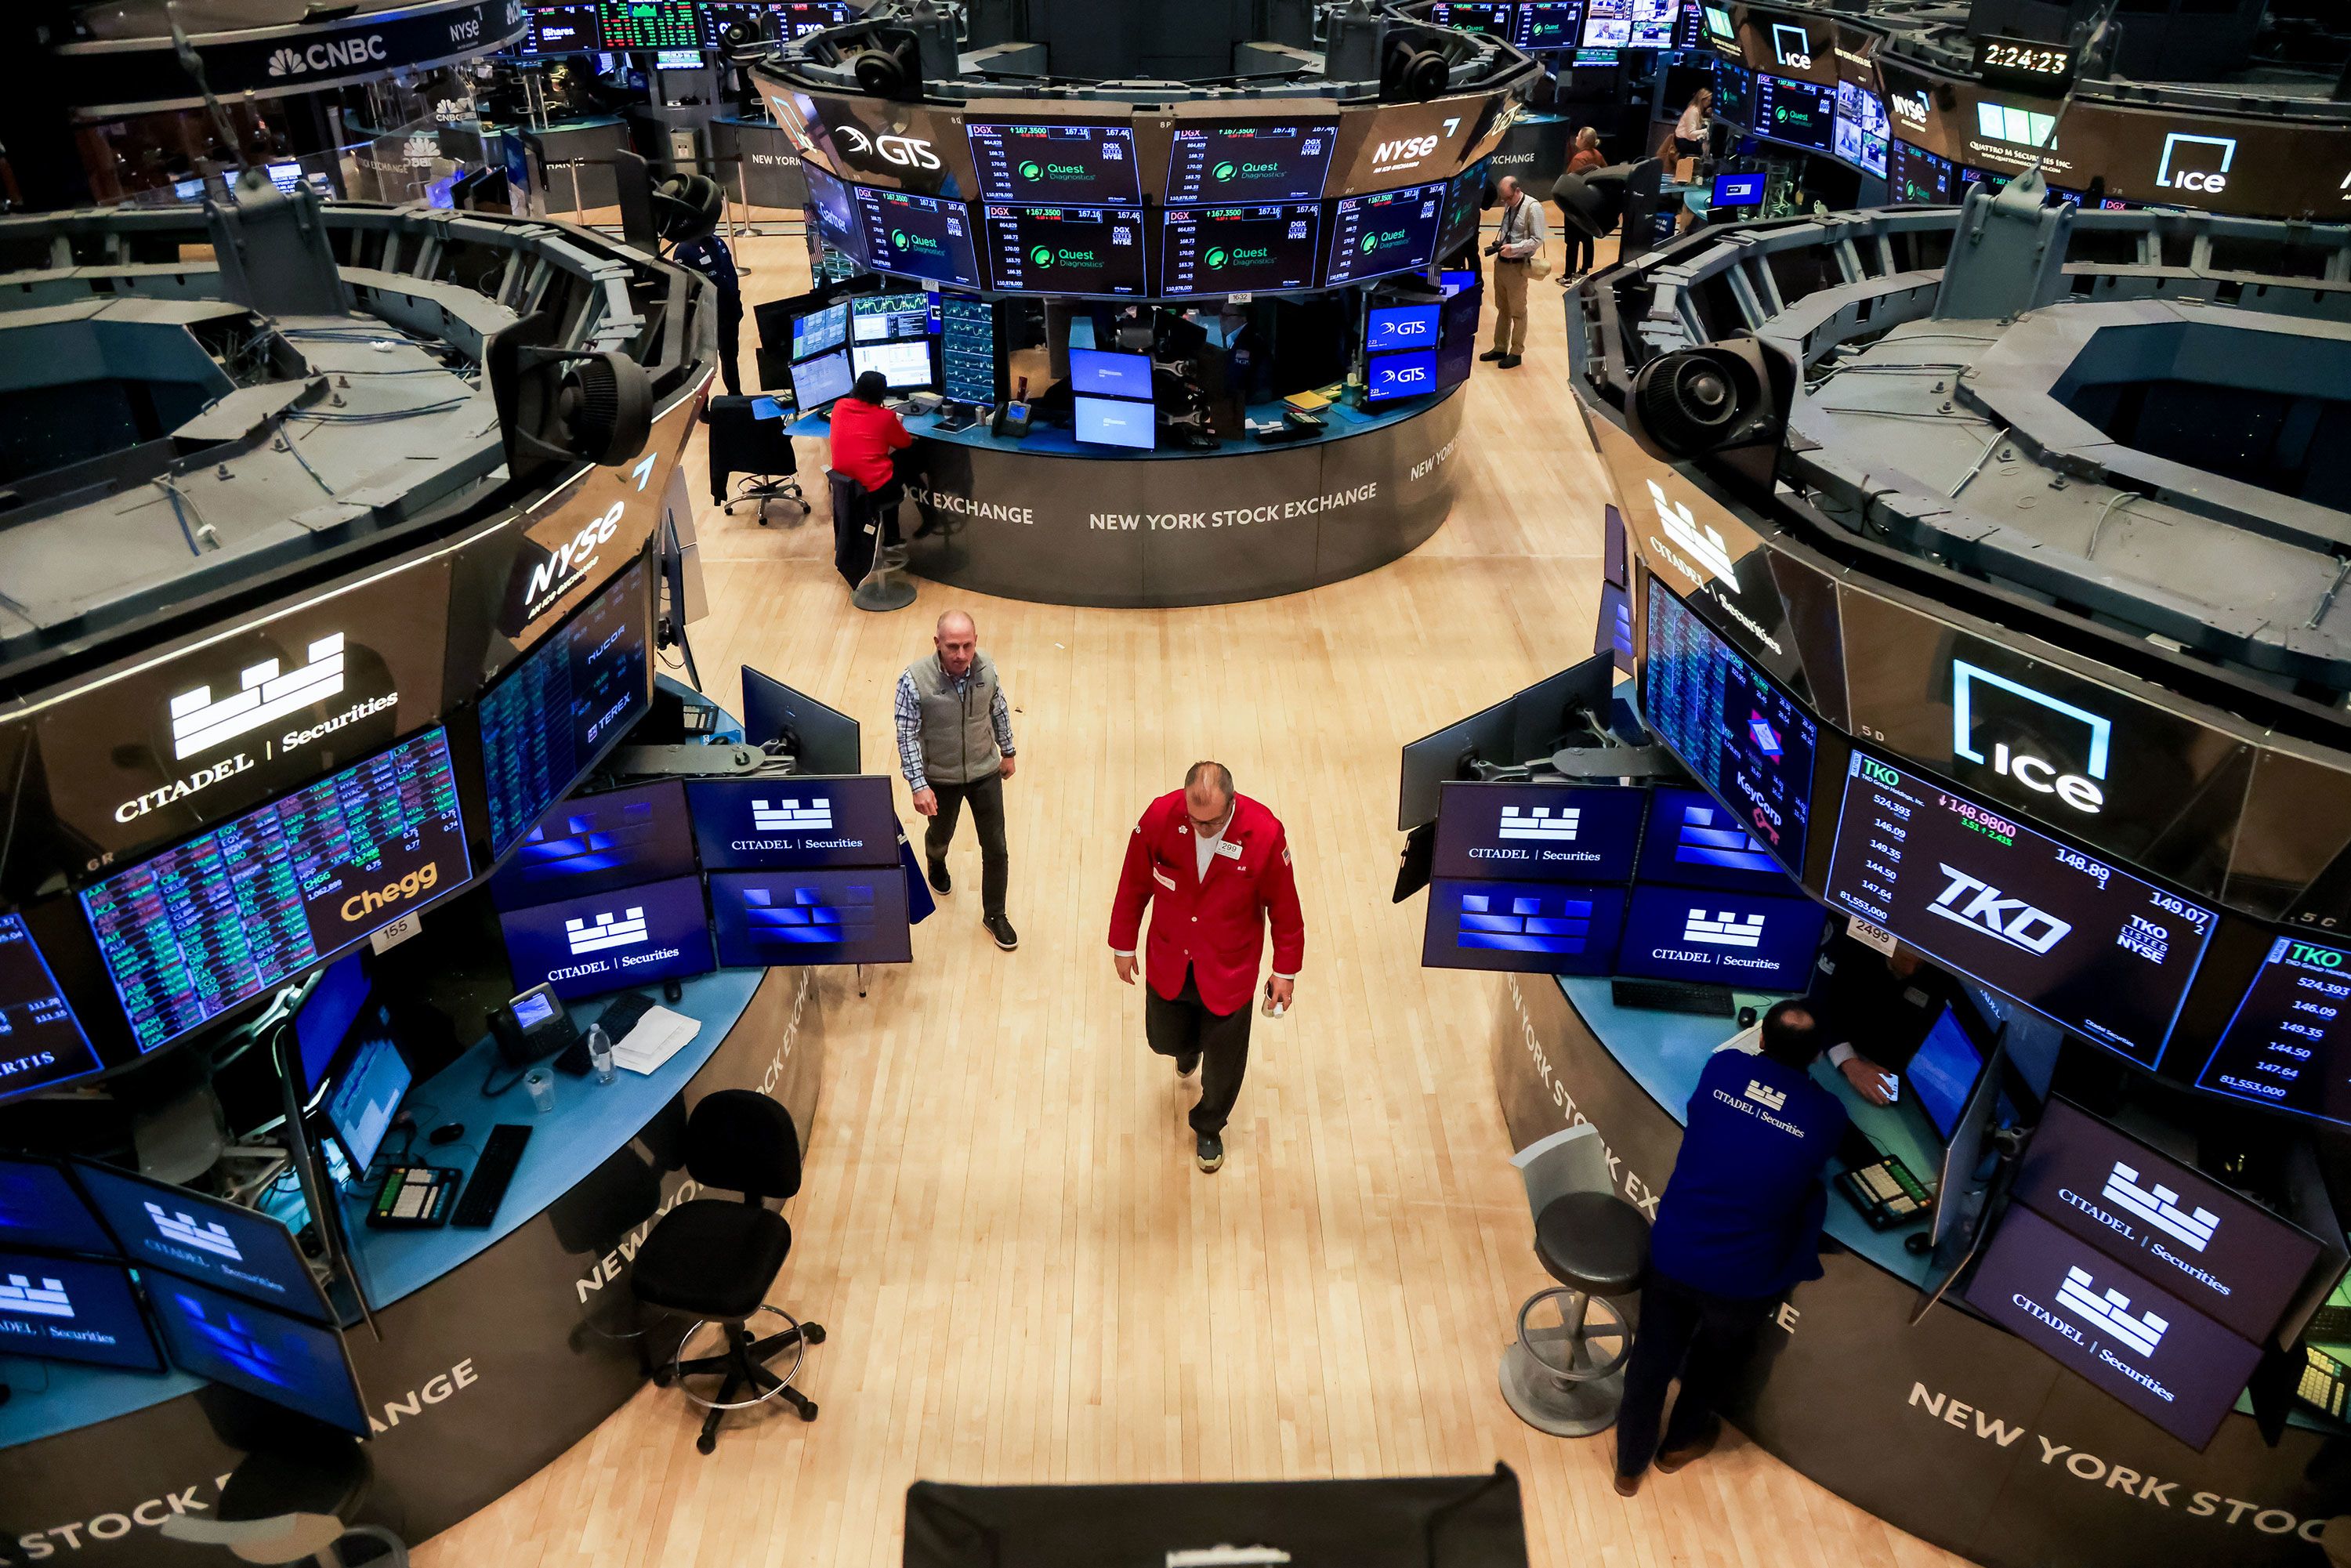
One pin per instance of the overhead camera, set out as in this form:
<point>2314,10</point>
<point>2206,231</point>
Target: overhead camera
<point>1723,407</point>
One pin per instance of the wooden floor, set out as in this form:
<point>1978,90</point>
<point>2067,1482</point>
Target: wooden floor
<point>1024,1278</point>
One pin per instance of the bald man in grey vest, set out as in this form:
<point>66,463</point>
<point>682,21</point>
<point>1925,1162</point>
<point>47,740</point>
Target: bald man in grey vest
<point>954,744</point>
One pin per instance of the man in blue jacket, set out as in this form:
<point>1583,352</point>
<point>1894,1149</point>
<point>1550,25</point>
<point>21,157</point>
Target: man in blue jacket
<point>1739,1224</point>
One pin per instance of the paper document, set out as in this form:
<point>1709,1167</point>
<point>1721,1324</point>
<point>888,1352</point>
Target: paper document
<point>659,1035</point>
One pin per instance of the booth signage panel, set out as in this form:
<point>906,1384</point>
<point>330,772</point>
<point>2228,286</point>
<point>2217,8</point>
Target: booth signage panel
<point>881,141</point>
<point>1397,145</point>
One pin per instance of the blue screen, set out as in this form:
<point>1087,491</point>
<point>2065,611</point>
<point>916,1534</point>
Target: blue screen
<point>748,824</point>
<point>819,331</point>
<point>1538,832</point>
<point>39,1208</point>
<point>584,946</point>
<point>68,1311</point>
<point>265,1353</point>
<point>1725,938</point>
<point>855,916</point>
<point>1696,840</point>
<point>1110,375</point>
<point>1451,280</point>
<point>1531,927</point>
<point>237,1250</point>
<point>362,1105</point>
<point>1101,422</point>
<point>41,1041</point>
<point>1401,375</point>
<point>822,381</point>
<point>1401,326</point>
<point>593,842</point>
<point>326,1016</point>
<point>1737,189</point>
<point>1943,1071</point>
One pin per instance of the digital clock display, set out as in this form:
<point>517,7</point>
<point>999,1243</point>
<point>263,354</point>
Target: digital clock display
<point>2022,62</point>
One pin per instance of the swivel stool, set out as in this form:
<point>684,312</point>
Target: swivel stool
<point>1568,1379</point>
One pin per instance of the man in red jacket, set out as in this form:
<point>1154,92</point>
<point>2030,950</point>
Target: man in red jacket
<point>1217,864</point>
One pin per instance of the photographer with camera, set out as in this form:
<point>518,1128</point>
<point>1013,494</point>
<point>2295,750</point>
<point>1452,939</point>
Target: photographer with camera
<point>1516,254</point>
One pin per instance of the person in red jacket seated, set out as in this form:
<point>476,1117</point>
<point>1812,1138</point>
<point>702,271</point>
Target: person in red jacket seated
<point>864,433</point>
<point>1216,865</point>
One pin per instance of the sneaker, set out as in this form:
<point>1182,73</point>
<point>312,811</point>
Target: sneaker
<point>1188,1065</point>
<point>1507,362</point>
<point>1001,929</point>
<point>1490,355</point>
<point>1698,1447</point>
<point>940,881</point>
<point>1210,1153</point>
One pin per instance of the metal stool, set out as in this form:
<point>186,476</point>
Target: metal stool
<point>1568,1378</point>
<point>289,1506</point>
<point>854,523</point>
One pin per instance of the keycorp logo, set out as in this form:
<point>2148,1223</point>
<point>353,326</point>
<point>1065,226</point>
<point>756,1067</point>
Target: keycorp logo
<point>1769,1098</point>
<point>2159,1206</point>
<point>2111,1310</point>
<point>1793,45</point>
<point>46,1299</point>
<point>1686,531</point>
<point>329,56</point>
<point>906,151</point>
<point>2035,773</point>
<point>2012,920</point>
<point>608,930</point>
<point>2209,180</point>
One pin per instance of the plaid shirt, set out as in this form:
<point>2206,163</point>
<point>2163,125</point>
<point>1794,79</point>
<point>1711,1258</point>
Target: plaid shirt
<point>909,714</point>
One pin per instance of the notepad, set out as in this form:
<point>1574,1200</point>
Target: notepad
<point>659,1035</point>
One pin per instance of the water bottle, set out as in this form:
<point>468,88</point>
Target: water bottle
<point>600,1052</point>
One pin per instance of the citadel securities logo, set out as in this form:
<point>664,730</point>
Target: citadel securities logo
<point>1769,1098</point>
<point>41,1298</point>
<point>1723,930</point>
<point>186,1231</point>
<point>1704,544</point>
<point>2109,1310</point>
<point>2014,921</point>
<point>334,54</point>
<point>2187,159</point>
<point>611,929</point>
<point>264,692</point>
<point>2159,1206</point>
<point>905,152</point>
<point>2077,790</point>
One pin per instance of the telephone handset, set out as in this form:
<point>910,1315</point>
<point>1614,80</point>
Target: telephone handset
<point>532,1026</point>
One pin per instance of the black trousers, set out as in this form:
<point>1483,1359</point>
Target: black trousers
<point>1579,250</point>
<point>730,343</point>
<point>1185,1027</point>
<point>1700,1335</point>
<point>987,798</point>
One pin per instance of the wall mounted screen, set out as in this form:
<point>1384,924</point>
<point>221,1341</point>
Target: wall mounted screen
<point>919,236</point>
<point>1064,250</point>
<point>1527,927</point>
<point>1250,162</point>
<point>1394,231</point>
<point>2289,1043</point>
<point>1238,250</point>
<point>1055,165</point>
<point>41,1042</point>
<point>1722,939</point>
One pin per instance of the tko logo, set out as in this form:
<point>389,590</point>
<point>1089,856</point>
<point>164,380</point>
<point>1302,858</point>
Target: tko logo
<point>368,899</point>
<point>2012,920</point>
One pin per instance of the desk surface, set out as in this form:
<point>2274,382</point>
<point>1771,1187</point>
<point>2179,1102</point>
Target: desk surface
<point>1052,441</point>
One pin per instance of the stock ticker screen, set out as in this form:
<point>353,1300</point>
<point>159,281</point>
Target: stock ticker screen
<point>1056,165</point>
<point>1255,162</point>
<point>1238,250</point>
<point>921,236</point>
<point>2289,1043</point>
<point>41,1041</point>
<point>1393,231</point>
<point>232,912</point>
<point>1744,736</point>
<point>562,704</point>
<point>1801,114</point>
<point>2091,946</point>
<point>1064,250</point>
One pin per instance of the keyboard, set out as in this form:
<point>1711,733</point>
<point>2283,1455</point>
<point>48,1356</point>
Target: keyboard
<point>501,1153</point>
<point>1672,997</point>
<point>2330,1324</point>
<point>2322,1381</point>
<point>414,1197</point>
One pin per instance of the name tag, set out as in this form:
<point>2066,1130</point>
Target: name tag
<point>1163,879</point>
<point>1229,850</point>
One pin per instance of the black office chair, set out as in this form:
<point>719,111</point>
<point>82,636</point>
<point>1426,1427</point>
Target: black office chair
<point>742,443</point>
<point>718,1259</point>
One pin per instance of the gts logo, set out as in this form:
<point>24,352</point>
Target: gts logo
<point>906,151</point>
<point>368,899</point>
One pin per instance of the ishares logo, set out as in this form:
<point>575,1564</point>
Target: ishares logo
<point>2188,160</point>
<point>2014,921</point>
<point>1702,542</point>
<point>1974,707</point>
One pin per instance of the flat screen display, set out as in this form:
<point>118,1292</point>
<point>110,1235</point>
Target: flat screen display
<point>2288,1045</point>
<point>1391,327</point>
<point>1629,24</point>
<point>268,1355</point>
<point>563,30</point>
<point>1056,165</point>
<point>819,331</point>
<point>967,355</point>
<point>247,1253</point>
<point>1455,360</point>
<point>1801,114</point>
<point>1741,732</point>
<point>1861,128</point>
<point>889,317</point>
<point>327,1011</point>
<point>233,913</point>
<point>1095,251</point>
<point>366,1098</point>
<point>63,1309</point>
<point>1101,374</point>
<point>1942,1072</point>
<point>1734,93</point>
<point>855,916</point>
<point>678,60</point>
<point>1738,190</point>
<point>837,219</point>
<point>1465,195</point>
<point>1696,840</point>
<point>1916,176</point>
<point>1523,927</point>
<point>1548,25</point>
<point>1390,231</point>
<point>2229,1259</point>
<point>564,703</point>
<point>2086,943</point>
<point>629,936</point>
<point>2109,1325</point>
<point>919,236</point>
<point>1105,422</point>
<point>41,1042</point>
<point>1391,376</point>
<point>589,843</point>
<point>1538,832</point>
<point>823,381</point>
<point>764,824</point>
<point>1718,23</point>
<point>797,18</point>
<point>1723,939</point>
<point>39,1207</point>
<point>901,365</point>
<point>1238,250</point>
<point>650,25</point>
<point>1473,16</point>
<point>1252,162</point>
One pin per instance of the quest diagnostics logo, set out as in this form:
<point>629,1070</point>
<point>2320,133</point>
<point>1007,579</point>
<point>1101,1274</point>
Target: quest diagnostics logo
<point>1223,173</point>
<point>1040,255</point>
<point>1217,256</point>
<point>1032,170</point>
<point>2188,163</point>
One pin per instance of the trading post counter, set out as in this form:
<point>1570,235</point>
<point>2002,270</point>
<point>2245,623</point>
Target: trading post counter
<point>1052,521</point>
<point>500,1348</point>
<point>1959,1433</point>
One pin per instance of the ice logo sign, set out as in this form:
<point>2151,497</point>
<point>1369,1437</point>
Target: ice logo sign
<point>2078,789</point>
<point>2159,1206</point>
<point>607,930</point>
<point>1702,541</point>
<point>1793,45</point>
<point>187,1230</point>
<point>2012,920</point>
<point>2181,151</point>
<point>45,1299</point>
<point>2111,1310</point>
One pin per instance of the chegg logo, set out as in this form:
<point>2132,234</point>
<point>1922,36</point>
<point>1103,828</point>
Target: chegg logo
<point>368,899</point>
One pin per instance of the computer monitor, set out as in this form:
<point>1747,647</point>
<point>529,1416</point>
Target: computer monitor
<point>1388,377</point>
<point>1450,281</point>
<point>1391,327</point>
<point>823,381</point>
<point>792,917</point>
<point>1738,190</point>
<point>901,364</point>
<point>39,1207</point>
<point>1539,833</point>
<point>1530,927</point>
<point>1113,422</point>
<point>265,1353</point>
<point>1531,724</point>
<point>889,317</point>
<point>1696,840</point>
<point>1943,1071</point>
<point>822,740</point>
<point>1093,372</point>
<point>42,1042</point>
<point>748,824</point>
<point>1720,938</point>
<point>325,1016</point>
<point>589,843</point>
<point>819,331</point>
<point>158,1226</point>
<point>629,936</point>
<point>363,1101</point>
<point>65,1309</point>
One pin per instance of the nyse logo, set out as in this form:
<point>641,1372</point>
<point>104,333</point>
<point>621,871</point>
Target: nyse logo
<point>467,31</point>
<point>2012,920</point>
<point>2111,1310</point>
<point>576,555</point>
<point>1793,45</point>
<point>623,929</point>
<point>1909,108</point>
<point>1410,147</point>
<point>1700,539</point>
<point>1769,1098</point>
<point>2159,1206</point>
<point>2180,148</point>
<point>905,152</point>
<point>2036,773</point>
